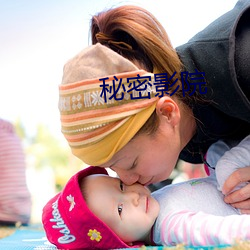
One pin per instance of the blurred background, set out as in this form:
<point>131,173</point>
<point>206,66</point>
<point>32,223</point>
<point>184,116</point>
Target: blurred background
<point>36,40</point>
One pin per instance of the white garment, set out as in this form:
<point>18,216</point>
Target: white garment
<point>194,212</point>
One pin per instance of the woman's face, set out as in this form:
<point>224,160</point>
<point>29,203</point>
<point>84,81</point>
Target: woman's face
<point>148,159</point>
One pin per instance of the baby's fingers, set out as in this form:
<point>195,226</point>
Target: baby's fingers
<point>245,211</point>
<point>239,198</point>
<point>237,177</point>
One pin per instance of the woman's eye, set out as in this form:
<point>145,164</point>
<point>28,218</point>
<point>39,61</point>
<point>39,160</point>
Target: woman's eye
<point>120,206</point>
<point>121,186</point>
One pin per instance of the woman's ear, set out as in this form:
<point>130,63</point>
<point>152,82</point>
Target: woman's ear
<point>168,109</point>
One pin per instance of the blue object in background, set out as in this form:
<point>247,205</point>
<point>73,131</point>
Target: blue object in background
<point>33,238</point>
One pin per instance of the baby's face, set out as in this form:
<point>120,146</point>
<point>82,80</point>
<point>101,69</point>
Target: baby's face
<point>130,211</point>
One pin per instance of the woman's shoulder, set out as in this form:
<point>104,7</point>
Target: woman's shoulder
<point>208,51</point>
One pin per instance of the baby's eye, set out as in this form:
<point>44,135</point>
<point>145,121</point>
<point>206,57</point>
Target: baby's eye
<point>121,185</point>
<point>120,206</point>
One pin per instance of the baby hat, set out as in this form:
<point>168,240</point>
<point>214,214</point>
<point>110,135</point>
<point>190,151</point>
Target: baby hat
<point>104,100</point>
<point>69,223</point>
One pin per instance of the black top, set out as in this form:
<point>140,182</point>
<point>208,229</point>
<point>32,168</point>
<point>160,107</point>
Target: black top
<point>222,52</point>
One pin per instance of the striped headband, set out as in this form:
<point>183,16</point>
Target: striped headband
<point>104,101</point>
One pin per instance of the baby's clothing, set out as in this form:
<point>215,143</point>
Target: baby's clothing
<point>194,212</point>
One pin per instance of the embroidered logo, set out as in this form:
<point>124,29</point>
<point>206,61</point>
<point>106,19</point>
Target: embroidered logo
<point>94,235</point>
<point>72,203</point>
<point>195,182</point>
<point>60,224</point>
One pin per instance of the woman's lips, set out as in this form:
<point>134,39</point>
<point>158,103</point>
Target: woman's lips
<point>148,183</point>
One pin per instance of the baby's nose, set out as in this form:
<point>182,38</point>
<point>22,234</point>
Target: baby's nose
<point>133,197</point>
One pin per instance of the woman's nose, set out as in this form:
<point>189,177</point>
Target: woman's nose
<point>126,177</point>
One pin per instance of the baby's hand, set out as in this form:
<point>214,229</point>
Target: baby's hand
<point>241,197</point>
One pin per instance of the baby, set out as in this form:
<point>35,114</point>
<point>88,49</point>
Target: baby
<point>96,211</point>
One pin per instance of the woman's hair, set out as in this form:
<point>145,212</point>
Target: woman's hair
<point>135,34</point>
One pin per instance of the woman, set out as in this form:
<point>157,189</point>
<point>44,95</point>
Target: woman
<point>132,136</point>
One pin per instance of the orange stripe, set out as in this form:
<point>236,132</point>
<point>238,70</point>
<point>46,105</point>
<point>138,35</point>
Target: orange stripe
<point>94,133</point>
<point>108,111</point>
<point>96,80</point>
